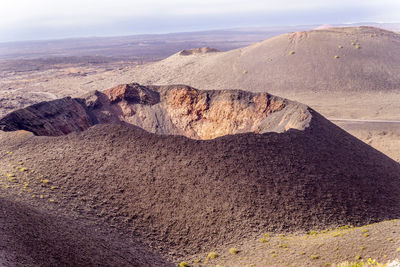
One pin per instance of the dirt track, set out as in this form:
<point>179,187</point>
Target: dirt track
<point>382,135</point>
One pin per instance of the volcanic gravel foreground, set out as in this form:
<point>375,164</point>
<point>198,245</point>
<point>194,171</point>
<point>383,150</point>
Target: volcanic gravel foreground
<point>181,195</point>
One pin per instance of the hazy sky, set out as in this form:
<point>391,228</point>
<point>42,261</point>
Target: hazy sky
<point>46,19</point>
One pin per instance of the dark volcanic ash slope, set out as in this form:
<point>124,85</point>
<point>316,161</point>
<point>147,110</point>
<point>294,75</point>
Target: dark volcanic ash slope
<point>32,237</point>
<point>186,195</point>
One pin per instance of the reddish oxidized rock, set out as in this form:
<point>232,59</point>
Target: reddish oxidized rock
<point>173,110</point>
<point>132,93</point>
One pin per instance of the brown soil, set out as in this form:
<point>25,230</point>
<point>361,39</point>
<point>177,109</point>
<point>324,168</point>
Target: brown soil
<point>184,196</point>
<point>327,248</point>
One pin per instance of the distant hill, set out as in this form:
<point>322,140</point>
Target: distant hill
<point>350,59</point>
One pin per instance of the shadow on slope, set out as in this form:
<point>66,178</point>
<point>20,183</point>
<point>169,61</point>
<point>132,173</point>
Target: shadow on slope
<point>30,237</point>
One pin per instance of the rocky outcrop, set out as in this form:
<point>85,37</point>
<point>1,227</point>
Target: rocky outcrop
<point>199,114</point>
<point>193,51</point>
<point>172,110</point>
<point>208,114</point>
<point>52,118</point>
<point>133,93</point>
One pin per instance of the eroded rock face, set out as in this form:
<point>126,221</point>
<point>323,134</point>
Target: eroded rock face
<point>198,114</point>
<point>172,110</point>
<point>52,118</point>
<point>133,93</point>
<point>206,115</point>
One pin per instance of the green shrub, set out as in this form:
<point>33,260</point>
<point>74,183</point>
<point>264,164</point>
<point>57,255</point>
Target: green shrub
<point>312,232</point>
<point>212,255</point>
<point>233,251</point>
<point>369,263</point>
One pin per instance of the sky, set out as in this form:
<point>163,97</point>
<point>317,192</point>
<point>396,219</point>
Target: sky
<point>54,19</point>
